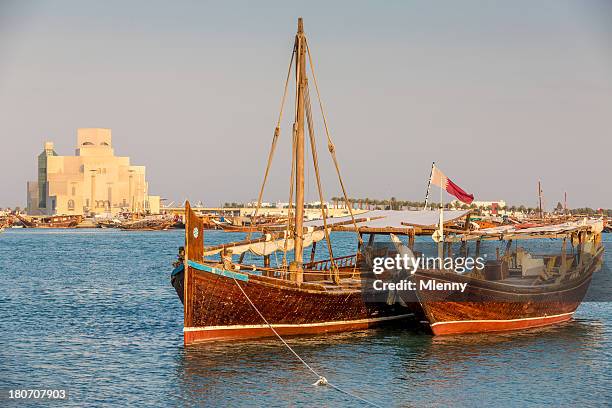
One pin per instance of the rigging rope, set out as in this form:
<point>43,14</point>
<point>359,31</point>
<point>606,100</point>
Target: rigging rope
<point>273,147</point>
<point>330,144</point>
<point>335,275</point>
<point>320,379</point>
<point>290,205</point>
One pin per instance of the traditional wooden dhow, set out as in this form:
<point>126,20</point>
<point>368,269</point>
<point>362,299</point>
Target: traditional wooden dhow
<point>226,298</point>
<point>148,224</point>
<point>54,221</point>
<point>518,290</point>
<point>108,223</point>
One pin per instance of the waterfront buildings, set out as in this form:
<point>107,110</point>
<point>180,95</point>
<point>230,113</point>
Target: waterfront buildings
<point>500,204</point>
<point>93,181</point>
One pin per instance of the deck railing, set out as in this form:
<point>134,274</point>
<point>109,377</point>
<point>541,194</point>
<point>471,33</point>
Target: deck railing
<point>341,262</point>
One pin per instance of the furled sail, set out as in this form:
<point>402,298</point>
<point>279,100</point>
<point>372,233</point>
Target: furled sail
<point>270,245</point>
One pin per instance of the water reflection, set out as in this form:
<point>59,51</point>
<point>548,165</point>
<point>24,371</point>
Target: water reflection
<point>385,365</point>
<point>94,313</point>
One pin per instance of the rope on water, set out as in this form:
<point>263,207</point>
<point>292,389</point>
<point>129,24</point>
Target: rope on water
<point>320,379</point>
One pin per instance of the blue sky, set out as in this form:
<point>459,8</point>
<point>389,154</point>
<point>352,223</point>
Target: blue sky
<point>499,94</point>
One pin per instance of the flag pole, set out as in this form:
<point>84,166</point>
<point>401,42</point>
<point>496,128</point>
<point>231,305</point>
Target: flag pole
<point>433,164</point>
<point>441,227</point>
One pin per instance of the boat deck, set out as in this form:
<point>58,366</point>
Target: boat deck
<point>346,283</point>
<point>519,281</point>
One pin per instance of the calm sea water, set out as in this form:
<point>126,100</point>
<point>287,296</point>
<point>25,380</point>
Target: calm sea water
<point>92,311</point>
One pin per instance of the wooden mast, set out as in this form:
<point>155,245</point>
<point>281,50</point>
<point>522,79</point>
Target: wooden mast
<point>297,272</point>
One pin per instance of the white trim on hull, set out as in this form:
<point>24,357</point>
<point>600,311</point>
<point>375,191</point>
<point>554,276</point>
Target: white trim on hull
<point>321,324</point>
<point>502,321</point>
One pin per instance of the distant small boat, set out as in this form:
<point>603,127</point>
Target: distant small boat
<point>108,223</point>
<point>53,221</point>
<point>147,225</point>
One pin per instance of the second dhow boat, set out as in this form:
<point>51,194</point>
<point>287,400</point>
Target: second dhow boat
<point>518,290</point>
<point>225,300</point>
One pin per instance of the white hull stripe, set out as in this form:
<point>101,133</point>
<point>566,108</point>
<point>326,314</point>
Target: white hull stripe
<point>503,321</point>
<point>276,326</point>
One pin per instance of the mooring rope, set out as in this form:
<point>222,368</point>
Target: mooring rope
<point>320,379</point>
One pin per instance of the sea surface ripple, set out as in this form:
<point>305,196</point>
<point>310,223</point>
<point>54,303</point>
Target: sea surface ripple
<point>93,312</point>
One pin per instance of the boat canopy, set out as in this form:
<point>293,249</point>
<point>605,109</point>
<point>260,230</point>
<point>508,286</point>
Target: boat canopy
<point>381,219</point>
<point>507,232</point>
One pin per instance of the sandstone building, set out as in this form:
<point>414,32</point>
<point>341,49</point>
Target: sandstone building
<point>93,181</point>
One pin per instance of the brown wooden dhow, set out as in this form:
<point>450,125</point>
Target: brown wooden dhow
<point>53,221</point>
<point>148,224</point>
<point>224,299</point>
<point>516,291</point>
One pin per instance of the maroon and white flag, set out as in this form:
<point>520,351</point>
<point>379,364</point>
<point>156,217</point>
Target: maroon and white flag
<point>439,179</point>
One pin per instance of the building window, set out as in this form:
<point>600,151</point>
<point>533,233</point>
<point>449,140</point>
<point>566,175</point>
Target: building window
<point>71,204</point>
<point>73,190</point>
<point>87,144</point>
